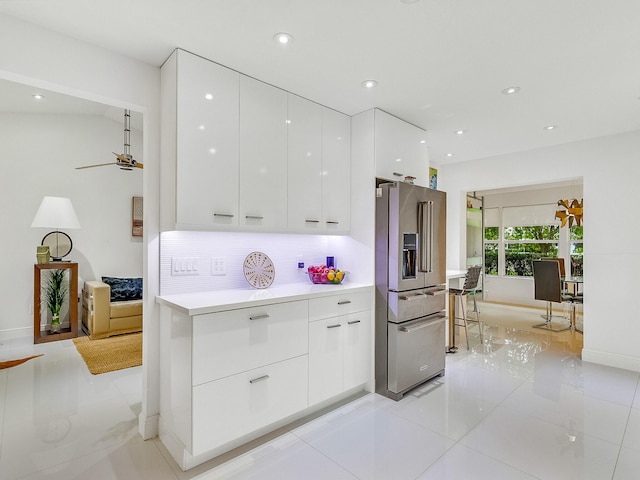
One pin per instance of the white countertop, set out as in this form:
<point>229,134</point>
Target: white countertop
<point>200,303</point>
<point>456,274</point>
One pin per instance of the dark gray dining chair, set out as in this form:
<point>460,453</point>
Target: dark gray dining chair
<point>548,287</point>
<point>468,289</point>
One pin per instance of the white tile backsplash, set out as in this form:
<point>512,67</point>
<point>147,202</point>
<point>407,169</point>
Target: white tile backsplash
<point>282,249</point>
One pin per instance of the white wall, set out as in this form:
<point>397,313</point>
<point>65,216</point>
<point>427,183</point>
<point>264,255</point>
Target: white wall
<point>39,57</point>
<point>40,153</point>
<point>610,168</point>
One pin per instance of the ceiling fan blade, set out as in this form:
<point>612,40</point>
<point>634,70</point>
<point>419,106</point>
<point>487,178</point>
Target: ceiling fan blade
<point>97,165</point>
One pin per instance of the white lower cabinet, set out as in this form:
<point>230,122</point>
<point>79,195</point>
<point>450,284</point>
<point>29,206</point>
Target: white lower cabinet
<point>230,376</point>
<point>234,406</point>
<point>340,354</point>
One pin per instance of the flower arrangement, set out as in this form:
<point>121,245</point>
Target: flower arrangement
<point>56,292</point>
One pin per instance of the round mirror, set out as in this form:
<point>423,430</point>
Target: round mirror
<point>59,244</point>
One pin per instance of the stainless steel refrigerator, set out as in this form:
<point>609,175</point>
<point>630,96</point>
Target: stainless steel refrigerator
<point>410,287</point>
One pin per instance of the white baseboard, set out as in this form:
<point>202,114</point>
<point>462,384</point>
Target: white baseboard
<point>14,333</point>
<point>611,359</point>
<point>148,426</point>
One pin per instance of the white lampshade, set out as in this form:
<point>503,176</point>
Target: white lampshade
<point>56,212</point>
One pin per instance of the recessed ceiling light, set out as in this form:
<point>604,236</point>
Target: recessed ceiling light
<point>369,84</point>
<point>423,141</point>
<point>460,132</point>
<point>209,96</point>
<point>449,154</point>
<point>510,90</point>
<point>38,96</point>
<point>550,127</point>
<point>283,38</point>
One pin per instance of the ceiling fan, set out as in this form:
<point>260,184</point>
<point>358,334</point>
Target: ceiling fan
<point>124,160</point>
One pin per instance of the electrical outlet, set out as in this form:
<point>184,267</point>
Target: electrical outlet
<point>184,266</point>
<point>218,266</point>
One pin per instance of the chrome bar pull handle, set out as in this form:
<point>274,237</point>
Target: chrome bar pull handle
<point>228,215</point>
<point>332,222</point>
<point>352,322</point>
<point>434,293</point>
<point>431,239</point>
<point>254,217</point>
<point>344,302</point>
<point>259,317</point>
<point>259,379</point>
<point>425,236</point>
<point>397,174</point>
<point>334,326</point>
<point>312,221</point>
<point>422,225</point>
<point>408,298</point>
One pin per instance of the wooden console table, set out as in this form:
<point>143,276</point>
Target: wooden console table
<point>44,334</point>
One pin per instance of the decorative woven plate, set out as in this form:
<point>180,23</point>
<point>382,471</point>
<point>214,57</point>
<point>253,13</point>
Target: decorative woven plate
<point>259,270</point>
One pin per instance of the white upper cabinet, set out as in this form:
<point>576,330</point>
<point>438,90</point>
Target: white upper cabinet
<point>305,165</point>
<point>207,142</point>
<point>238,154</point>
<point>336,170</point>
<point>400,150</point>
<point>263,155</point>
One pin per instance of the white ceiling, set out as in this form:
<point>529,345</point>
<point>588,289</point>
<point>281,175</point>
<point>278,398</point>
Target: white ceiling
<point>440,64</point>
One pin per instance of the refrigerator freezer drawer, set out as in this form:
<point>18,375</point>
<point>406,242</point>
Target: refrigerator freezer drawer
<point>416,352</point>
<point>419,303</point>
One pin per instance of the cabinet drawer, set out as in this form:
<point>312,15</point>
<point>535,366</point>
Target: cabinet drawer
<point>339,304</point>
<point>416,351</point>
<point>235,341</point>
<point>235,406</point>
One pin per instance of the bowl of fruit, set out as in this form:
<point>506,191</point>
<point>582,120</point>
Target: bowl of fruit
<point>322,274</point>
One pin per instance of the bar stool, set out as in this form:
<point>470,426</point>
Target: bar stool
<point>469,288</point>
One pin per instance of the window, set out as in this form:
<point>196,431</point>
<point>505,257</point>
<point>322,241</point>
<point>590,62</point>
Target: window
<point>516,236</point>
<point>575,250</point>
<point>491,241</point>
<point>491,250</point>
<point>525,244</point>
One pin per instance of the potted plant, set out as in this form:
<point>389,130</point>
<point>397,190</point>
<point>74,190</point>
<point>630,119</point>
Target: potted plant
<point>56,292</point>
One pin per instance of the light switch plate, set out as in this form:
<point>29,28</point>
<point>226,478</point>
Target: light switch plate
<point>184,266</point>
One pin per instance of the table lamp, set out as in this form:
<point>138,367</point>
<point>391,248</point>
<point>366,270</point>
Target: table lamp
<point>57,213</point>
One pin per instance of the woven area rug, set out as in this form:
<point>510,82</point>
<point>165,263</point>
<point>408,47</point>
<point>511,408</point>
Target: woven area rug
<point>110,354</point>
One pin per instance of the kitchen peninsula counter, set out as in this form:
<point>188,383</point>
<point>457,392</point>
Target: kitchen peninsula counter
<point>199,303</point>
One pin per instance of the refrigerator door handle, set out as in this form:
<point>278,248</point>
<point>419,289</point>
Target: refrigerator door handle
<point>433,293</point>
<point>423,324</point>
<point>425,235</point>
<point>408,298</point>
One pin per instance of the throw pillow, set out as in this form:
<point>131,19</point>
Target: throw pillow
<point>123,289</point>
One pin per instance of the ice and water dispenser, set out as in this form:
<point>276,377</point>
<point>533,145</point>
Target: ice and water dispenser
<point>409,248</point>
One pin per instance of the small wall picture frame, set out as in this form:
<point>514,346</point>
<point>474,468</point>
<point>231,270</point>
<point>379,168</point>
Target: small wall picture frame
<point>433,178</point>
<point>136,216</point>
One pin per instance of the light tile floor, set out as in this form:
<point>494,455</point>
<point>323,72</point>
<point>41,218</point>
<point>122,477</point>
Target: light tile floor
<point>521,406</point>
